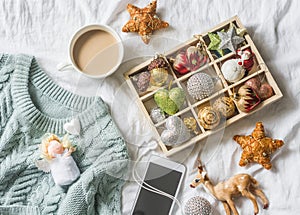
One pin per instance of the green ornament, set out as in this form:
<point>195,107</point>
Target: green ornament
<point>214,43</point>
<point>170,101</point>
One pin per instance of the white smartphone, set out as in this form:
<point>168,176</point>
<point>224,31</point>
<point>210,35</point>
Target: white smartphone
<point>164,175</point>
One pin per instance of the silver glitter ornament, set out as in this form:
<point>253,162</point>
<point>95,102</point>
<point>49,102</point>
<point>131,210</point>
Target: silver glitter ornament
<point>175,133</point>
<point>157,115</point>
<point>197,206</point>
<point>229,40</point>
<point>200,86</point>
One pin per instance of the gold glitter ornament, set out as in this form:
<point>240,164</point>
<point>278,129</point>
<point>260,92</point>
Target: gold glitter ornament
<point>225,106</point>
<point>191,124</point>
<point>158,77</point>
<point>208,117</point>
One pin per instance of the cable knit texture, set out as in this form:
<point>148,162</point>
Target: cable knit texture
<point>31,105</point>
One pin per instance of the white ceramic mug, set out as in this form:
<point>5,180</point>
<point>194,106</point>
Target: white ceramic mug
<point>95,51</point>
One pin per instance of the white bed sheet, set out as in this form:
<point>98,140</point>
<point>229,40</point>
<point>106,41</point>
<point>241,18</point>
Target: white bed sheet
<point>43,28</point>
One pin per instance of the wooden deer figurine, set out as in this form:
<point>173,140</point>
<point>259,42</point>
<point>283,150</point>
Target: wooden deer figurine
<point>243,184</point>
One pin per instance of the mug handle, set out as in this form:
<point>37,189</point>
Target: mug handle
<point>64,66</point>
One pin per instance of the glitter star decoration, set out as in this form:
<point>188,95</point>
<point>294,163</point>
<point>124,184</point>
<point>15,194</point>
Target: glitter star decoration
<point>257,147</point>
<point>214,43</point>
<point>229,40</point>
<point>144,21</point>
<point>239,31</point>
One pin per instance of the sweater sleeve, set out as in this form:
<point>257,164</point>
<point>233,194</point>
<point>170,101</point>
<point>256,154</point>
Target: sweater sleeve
<point>7,65</point>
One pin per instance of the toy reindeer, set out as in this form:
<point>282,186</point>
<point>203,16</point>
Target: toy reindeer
<point>243,184</point>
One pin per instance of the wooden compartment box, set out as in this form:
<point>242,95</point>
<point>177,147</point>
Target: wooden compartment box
<point>223,87</point>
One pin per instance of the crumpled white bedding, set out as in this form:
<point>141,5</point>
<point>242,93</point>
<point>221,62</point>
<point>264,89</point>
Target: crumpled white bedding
<point>43,28</point>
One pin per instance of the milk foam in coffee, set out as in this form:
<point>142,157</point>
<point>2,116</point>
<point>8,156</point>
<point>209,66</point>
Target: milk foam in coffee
<point>96,52</point>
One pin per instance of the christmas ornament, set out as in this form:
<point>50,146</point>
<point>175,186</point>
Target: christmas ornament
<point>144,21</point>
<point>157,115</point>
<point>246,58</point>
<point>175,133</point>
<point>214,43</point>
<point>225,106</point>
<point>191,124</point>
<point>264,91</point>
<point>200,86</point>
<point>246,98</point>
<point>229,40</point>
<point>257,147</point>
<point>208,117</point>
<point>158,68</point>
<point>57,159</point>
<point>197,206</point>
<point>143,81</point>
<point>181,64</point>
<point>254,83</point>
<point>190,60</point>
<point>239,31</point>
<point>157,62</point>
<point>159,77</point>
<point>232,70</point>
<point>170,101</point>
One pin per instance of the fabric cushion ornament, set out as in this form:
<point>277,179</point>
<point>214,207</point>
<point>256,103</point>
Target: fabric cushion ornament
<point>246,98</point>
<point>144,21</point>
<point>229,40</point>
<point>257,147</point>
<point>200,86</point>
<point>225,106</point>
<point>208,117</point>
<point>197,206</point>
<point>170,101</point>
<point>175,133</point>
<point>232,70</point>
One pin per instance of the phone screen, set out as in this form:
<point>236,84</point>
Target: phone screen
<point>164,179</point>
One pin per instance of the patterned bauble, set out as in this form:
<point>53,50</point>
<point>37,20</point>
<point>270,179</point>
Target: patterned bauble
<point>143,81</point>
<point>175,133</point>
<point>198,206</point>
<point>225,106</point>
<point>246,98</point>
<point>157,62</point>
<point>200,86</point>
<point>208,117</point>
<point>157,115</point>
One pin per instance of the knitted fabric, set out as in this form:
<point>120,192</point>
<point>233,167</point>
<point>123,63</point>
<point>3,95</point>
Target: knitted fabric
<point>32,105</point>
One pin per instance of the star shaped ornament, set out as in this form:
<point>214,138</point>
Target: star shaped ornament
<point>257,147</point>
<point>229,40</point>
<point>239,31</point>
<point>214,43</point>
<point>144,21</point>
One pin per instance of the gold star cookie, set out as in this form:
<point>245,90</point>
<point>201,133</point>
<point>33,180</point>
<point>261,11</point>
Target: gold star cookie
<point>144,21</point>
<point>257,147</point>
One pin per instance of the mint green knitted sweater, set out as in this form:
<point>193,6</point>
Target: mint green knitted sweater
<point>32,105</point>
